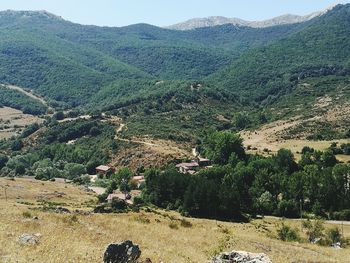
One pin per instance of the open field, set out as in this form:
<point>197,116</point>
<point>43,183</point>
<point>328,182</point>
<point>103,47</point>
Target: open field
<point>160,234</point>
<point>12,121</point>
<point>268,137</point>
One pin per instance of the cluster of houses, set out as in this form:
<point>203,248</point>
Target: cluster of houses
<point>106,171</point>
<point>194,166</point>
<point>186,168</point>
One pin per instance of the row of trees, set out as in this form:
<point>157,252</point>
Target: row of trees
<point>241,183</point>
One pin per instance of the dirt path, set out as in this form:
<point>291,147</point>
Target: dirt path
<point>29,94</point>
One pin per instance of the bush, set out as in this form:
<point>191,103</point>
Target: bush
<point>138,201</point>
<point>185,223</point>
<point>314,230</point>
<point>342,215</point>
<point>59,116</point>
<point>142,219</point>
<point>102,198</point>
<point>27,214</point>
<point>118,205</point>
<point>286,233</point>
<point>173,225</point>
<point>333,235</point>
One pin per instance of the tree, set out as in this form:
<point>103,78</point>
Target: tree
<point>59,115</point>
<point>94,131</point>
<point>74,170</point>
<point>219,147</point>
<point>16,145</point>
<point>264,203</point>
<point>124,175</point>
<point>328,158</point>
<point>285,161</point>
<point>241,121</point>
<point>3,160</point>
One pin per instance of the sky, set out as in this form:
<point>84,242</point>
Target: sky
<point>165,12</point>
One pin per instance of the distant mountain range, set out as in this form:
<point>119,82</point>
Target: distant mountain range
<point>220,20</point>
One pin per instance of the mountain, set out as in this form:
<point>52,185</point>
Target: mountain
<point>220,20</point>
<point>69,63</point>
<point>322,48</point>
<point>145,73</point>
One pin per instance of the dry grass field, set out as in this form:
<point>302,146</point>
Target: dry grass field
<point>12,121</point>
<point>162,236</point>
<point>268,137</point>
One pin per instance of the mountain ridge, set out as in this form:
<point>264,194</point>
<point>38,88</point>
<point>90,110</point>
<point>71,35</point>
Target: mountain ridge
<point>212,21</point>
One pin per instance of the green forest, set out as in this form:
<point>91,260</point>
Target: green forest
<point>241,185</point>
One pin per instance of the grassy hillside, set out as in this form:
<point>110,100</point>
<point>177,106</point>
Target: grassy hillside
<point>83,236</point>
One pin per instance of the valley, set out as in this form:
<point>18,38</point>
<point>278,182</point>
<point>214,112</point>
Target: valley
<point>189,140</point>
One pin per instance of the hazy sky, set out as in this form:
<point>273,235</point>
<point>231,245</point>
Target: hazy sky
<point>165,12</point>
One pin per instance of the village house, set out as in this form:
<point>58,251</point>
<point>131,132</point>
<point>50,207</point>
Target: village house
<point>203,162</point>
<point>104,170</point>
<point>188,168</point>
<point>194,166</point>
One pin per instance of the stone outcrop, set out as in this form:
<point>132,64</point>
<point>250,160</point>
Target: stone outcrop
<point>241,257</point>
<point>125,252</point>
<point>29,239</point>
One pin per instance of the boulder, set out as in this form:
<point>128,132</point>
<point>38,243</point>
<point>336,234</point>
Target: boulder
<point>125,252</point>
<point>29,239</point>
<point>62,210</point>
<point>241,257</point>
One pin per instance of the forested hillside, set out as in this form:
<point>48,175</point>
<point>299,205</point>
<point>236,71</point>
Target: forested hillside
<point>143,71</point>
<point>321,49</point>
<point>69,63</point>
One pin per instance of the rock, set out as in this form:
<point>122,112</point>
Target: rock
<point>62,210</point>
<point>147,260</point>
<point>337,245</point>
<point>28,239</point>
<point>125,252</point>
<point>241,257</point>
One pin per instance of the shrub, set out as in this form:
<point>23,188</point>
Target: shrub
<point>185,223</point>
<point>286,233</point>
<point>142,219</point>
<point>118,205</point>
<point>27,214</point>
<point>333,235</point>
<point>342,215</point>
<point>173,225</point>
<point>314,230</point>
<point>138,200</point>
